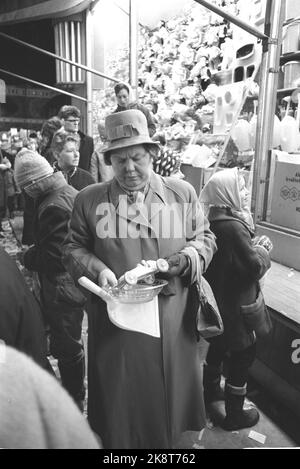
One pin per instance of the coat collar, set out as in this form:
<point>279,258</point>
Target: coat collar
<point>81,135</point>
<point>224,214</point>
<point>67,174</point>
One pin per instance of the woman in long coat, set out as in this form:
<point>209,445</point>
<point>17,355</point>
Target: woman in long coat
<point>143,390</point>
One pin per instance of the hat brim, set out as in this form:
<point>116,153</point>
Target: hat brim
<point>129,142</point>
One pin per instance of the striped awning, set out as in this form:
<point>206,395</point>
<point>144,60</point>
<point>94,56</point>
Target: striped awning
<point>13,11</point>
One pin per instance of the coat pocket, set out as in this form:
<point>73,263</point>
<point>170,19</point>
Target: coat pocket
<point>256,317</point>
<point>67,292</point>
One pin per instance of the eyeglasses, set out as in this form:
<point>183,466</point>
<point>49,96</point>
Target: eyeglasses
<point>73,121</point>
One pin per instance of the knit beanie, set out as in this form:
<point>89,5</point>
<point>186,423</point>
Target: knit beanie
<point>30,167</point>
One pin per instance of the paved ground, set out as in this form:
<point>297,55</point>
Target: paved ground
<point>277,427</point>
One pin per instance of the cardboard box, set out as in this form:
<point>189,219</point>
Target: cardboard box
<point>285,208</point>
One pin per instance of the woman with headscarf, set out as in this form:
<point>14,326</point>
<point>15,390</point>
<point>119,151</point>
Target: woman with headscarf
<point>126,101</point>
<point>234,274</point>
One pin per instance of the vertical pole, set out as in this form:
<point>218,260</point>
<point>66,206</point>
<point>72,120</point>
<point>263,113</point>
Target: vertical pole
<point>67,50</point>
<point>133,45</point>
<point>57,51</point>
<point>266,105</point>
<point>79,55</point>
<point>61,51</point>
<point>89,63</point>
<point>73,51</point>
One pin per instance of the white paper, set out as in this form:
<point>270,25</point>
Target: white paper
<point>195,446</point>
<point>142,317</point>
<point>257,437</point>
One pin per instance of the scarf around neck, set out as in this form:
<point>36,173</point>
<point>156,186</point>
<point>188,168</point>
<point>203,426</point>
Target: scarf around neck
<point>135,196</point>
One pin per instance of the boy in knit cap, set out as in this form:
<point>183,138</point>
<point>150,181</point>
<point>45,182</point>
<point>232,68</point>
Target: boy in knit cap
<point>62,301</point>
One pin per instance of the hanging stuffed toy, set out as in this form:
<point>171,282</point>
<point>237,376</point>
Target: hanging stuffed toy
<point>167,163</point>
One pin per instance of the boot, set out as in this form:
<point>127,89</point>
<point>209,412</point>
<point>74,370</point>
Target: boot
<point>72,376</point>
<point>212,384</point>
<point>237,417</point>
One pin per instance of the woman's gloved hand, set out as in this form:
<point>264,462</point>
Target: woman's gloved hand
<point>178,264</point>
<point>107,279</point>
<point>264,242</point>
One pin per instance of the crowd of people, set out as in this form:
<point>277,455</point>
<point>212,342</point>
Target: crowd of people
<point>144,391</point>
<point>98,211</point>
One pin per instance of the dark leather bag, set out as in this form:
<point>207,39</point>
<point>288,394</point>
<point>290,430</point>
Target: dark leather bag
<point>209,322</point>
<point>208,318</point>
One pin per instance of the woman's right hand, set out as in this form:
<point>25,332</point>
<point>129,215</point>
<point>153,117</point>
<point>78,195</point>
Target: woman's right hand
<point>107,279</point>
<point>263,241</point>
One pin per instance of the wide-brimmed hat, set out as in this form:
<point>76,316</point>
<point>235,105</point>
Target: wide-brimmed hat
<point>126,128</point>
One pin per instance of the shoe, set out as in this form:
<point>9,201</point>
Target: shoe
<point>237,417</point>
<point>239,420</point>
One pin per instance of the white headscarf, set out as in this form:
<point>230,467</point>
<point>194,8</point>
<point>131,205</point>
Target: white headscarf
<point>131,98</point>
<point>223,190</point>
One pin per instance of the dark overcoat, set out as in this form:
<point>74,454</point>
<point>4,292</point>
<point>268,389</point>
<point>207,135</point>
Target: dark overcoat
<point>21,324</point>
<point>234,274</point>
<point>86,150</point>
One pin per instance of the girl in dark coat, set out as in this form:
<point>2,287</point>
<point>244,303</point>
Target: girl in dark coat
<point>234,276</point>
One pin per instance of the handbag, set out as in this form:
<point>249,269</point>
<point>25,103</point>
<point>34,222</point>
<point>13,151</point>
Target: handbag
<point>256,316</point>
<point>208,321</point>
<point>208,318</point>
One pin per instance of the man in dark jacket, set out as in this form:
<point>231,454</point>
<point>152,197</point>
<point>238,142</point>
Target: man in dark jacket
<point>21,324</point>
<point>62,301</point>
<point>64,147</point>
<point>70,117</point>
